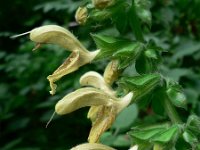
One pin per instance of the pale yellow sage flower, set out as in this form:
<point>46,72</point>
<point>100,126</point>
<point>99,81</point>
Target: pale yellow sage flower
<point>53,34</point>
<point>105,105</point>
<point>92,146</point>
<point>135,147</point>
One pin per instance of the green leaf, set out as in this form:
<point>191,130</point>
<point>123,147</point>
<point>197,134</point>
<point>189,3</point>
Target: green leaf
<point>142,8</point>
<point>187,47</point>
<point>146,134</point>
<point>166,135</point>
<point>110,139</point>
<point>128,50</point>
<point>107,138</point>
<point>126,118</point>
<point>140,81</point>
<point>11,144</point>
<point>146,63</point>
<point>124,50</point>
<point>141,85</point>
<point>121,19</point>
<point>128,54</point>
<point>177,97</point>
<point>189,137</point>
<point>122,141</point>
<point>135,23</point>
<point>159,133</point>
<point>108,45</point>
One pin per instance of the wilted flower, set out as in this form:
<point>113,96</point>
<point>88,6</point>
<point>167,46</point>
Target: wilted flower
<point>54,34</point>
<point>105,105</point>
<point>111,72</point>
<point>81,15</point>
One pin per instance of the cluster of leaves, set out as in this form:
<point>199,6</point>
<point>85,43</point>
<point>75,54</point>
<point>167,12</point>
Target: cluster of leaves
<point>151,82</point>
<point>148,70</point>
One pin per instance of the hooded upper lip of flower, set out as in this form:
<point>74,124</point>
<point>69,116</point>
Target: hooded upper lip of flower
<point>99,95</point>
<point>54,34</point>
<point>92,146</point>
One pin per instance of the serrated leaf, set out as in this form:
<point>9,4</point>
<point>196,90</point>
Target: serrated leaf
<point>176,97</point>
<point>141,85</point>
<point>166,135</point>
<point>128,50</point>
<point>124,50</point>
<point>128,54</point>
<point>159,133</point>
<point>146,134</point>
<point>140,81</point>
<point>146,64</point>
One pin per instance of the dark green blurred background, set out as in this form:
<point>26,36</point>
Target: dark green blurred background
<point>25,102</point>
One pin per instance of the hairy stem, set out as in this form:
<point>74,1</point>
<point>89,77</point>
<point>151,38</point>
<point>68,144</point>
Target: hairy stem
<point>171,111</point>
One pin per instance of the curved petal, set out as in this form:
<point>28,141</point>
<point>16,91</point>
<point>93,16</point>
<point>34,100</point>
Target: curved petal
<point>71,64</point>
<point>92,146</point>
<point>125,101</point>
<point>94,79</point>
<point>105,117</point>
<point>54,34</point>
<point>102,117</point>
<point>81,98</point>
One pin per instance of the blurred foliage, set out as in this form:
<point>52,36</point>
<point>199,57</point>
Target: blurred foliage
<point>25,103</point>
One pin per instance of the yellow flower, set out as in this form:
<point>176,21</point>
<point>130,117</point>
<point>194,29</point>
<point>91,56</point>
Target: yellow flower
<point>53,34</point>
<point>105,105</point>
<point>92,146</point>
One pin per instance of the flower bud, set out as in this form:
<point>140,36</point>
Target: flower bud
<point>81,15</point>
<point>111,72</point>
<point>100,4</point>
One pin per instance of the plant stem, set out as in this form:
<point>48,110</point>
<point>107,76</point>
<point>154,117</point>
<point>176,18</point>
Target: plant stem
<point>135,24</point>
<point>171,111</point>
